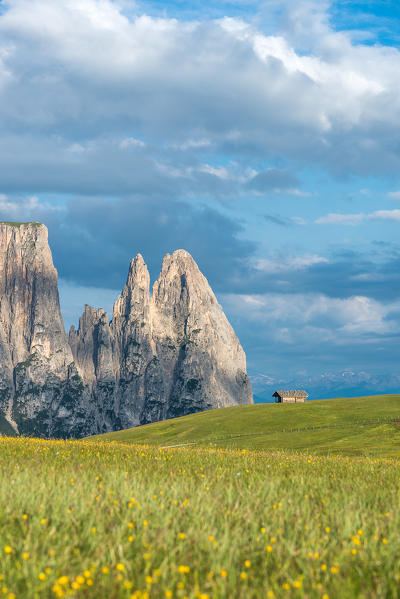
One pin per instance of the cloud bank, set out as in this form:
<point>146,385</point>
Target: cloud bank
<point>125,130</point>
<point>83,85</point>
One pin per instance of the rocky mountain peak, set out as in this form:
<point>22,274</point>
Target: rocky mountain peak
<point>36,363</point>
<point>29,305</point>
<point>138,273</point>
<point>135,294</point>
<point>164,355</point>
<point>181,286</point>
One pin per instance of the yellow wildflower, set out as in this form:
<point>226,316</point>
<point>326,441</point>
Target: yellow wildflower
<point>183,569</point>
<point>297,584</point>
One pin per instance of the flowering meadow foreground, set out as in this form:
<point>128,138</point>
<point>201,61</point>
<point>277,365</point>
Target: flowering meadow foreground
<point>107,520</point>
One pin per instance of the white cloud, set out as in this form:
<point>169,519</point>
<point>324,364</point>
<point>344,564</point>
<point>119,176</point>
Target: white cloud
<point>395,195</point>
<point>290,317</point>
<point>356,219</point>
<point>84,69</point>
<point>385,215</point>
<point>230,174</point>
<point>76,148</point>
<point>192,144</point>
<point>298,220</point>
<point>130,142</point>
<point>295,192</point>
<point>289,263</point>
<point>31,207</point>
<point>218,171</point>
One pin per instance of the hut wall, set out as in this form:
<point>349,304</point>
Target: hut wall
<point>293,400</point>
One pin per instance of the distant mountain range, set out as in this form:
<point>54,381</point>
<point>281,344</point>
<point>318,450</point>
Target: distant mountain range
<point>327,385</point>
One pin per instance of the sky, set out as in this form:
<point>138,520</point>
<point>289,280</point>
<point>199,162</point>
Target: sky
<point>261,136</point>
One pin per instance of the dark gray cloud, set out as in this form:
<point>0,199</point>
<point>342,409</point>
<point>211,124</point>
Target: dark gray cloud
<point>94,239</point>
<point>113,166</point>
<point>153,228</point>
<point>372,273</point>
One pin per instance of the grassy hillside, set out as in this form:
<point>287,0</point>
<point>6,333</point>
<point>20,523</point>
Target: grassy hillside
<point>349,426</point>
<point>116,521</point>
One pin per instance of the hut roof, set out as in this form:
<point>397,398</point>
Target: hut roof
<point>291,393</point>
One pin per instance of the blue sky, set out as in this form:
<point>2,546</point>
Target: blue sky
<point>263,137</point>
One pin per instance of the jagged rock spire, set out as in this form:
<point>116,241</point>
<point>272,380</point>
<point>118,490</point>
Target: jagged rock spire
<point>160,356</point>
<point>135,295</point>
<point>174,352</point>
<point>41,392</point>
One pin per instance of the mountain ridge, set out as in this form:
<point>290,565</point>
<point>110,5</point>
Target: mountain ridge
<point>161,355</point>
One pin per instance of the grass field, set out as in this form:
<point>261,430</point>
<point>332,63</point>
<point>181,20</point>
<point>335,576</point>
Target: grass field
<point>102,519</point>
<point>345,426</point>
<point>107,520</point>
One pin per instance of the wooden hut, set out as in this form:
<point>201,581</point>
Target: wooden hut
<point>290,396</point>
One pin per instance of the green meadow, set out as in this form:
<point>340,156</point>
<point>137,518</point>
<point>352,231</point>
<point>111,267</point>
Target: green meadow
<point>345,426</point>
<point>103,519</point>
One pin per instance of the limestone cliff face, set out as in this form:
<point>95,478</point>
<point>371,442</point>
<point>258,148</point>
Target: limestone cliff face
<point>172,353</point>
<point>162,355</point>
<point>41,391</point>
